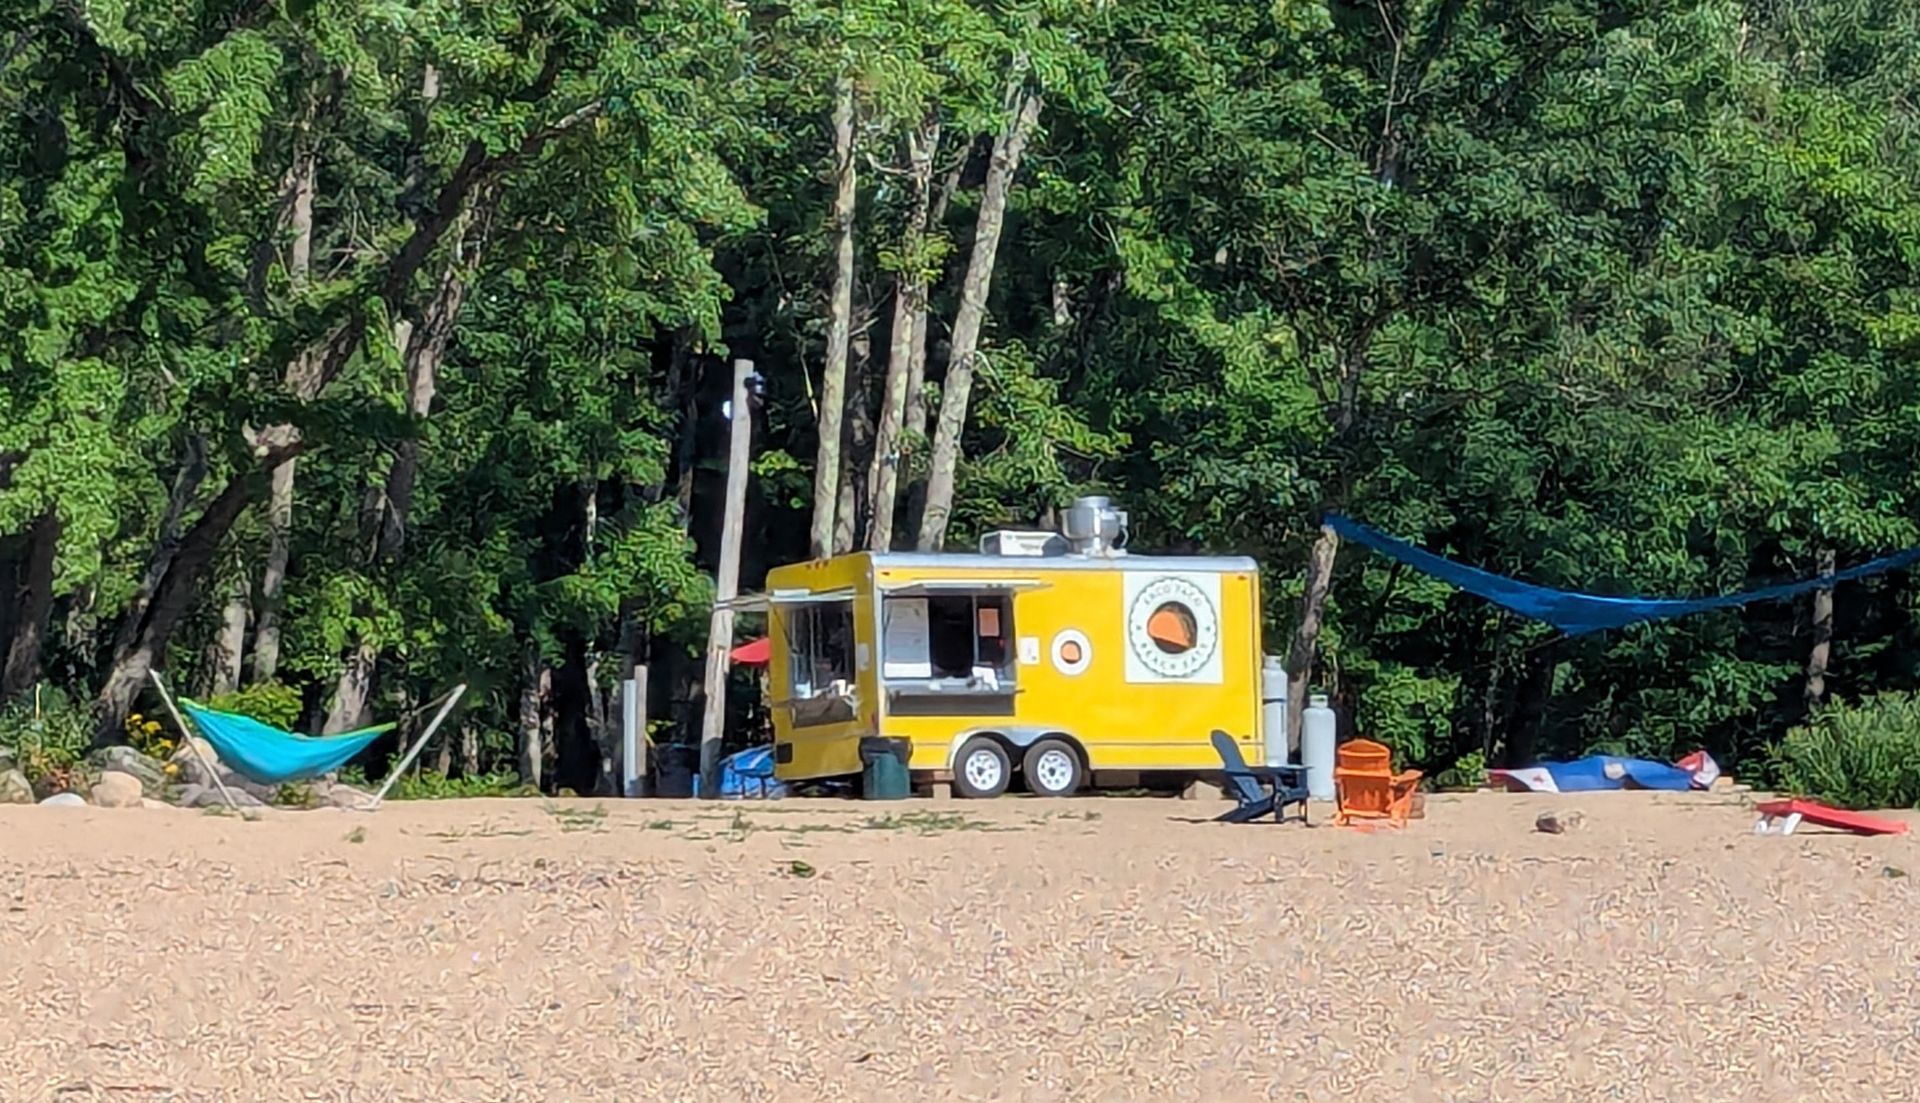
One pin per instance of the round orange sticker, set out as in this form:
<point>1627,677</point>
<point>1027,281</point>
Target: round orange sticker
<point>1071,652</point>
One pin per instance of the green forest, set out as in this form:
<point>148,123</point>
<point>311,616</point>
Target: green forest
<point>355,348</point>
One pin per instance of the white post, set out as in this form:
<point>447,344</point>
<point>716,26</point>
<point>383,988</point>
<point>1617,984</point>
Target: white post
<point>186,733</point>
<point>633,723</point>
<point>413,752</point>
<point>727,584</point>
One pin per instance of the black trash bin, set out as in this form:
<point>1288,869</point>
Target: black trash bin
<point>674,765</point>
<point>883,769</point>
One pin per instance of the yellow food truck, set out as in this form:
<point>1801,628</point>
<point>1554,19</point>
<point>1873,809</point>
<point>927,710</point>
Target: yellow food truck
<point>1047,655</point>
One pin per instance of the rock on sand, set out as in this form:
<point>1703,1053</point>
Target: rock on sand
<point>117,790</point>
<point>125,760</point>
<point>14,787</point>
<point>207,796</point>
<point>1559,823</point>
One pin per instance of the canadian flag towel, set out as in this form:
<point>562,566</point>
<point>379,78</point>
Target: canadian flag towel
<point>1596,772</point>
<point>1704,769</point>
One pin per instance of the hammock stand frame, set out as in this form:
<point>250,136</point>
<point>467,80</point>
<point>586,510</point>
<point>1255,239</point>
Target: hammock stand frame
<point>393,775</point>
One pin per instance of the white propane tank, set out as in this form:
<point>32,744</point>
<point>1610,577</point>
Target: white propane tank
<point>1317,736</point>
<point>1273,709</point>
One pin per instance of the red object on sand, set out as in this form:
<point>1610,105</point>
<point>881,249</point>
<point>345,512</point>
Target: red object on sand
<point>1812,811</point>
<point>755,653</point>
<point>1704,769</point>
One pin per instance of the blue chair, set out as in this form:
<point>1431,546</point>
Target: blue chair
<point>1258,791</point>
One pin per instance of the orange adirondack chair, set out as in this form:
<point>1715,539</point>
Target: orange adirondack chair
<point>1365,786</point>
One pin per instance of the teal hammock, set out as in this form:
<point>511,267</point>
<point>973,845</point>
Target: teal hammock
<point>1579,614</point>
<point>271,756</point>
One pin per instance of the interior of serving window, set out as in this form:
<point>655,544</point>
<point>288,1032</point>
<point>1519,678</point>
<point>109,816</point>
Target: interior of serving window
<point>948,642</point>
<point>820,658</point>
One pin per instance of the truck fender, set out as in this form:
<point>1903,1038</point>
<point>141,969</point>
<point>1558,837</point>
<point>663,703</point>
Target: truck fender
<point>1018,737</point>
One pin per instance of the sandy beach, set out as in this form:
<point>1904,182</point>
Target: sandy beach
<point>1089,949</point>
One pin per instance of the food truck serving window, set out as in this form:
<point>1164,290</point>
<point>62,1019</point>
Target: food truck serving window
<point>820,660</point>
<point>950,637</point>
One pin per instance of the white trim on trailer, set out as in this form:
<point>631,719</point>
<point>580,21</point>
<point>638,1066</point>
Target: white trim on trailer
<point>928,587</point>
<point>761,603</point>
<point>1027,564</point>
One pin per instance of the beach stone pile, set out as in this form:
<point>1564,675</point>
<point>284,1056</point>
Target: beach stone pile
<point>149,775</point>
<point>126,778</point>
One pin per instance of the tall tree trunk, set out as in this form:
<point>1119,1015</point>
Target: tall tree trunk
<point>916,434</point>
<point>300,185</point>
<point>1306,634</point>
<point>1342,412</point>
<point>683,375</point>
<point>301,182</point>
<point>229,647</point>
<point>350,707</point>
<point>1822,651</point>
<point>273,576</point>
<point>229,643</point>
<point>186,483</point>
<point>1492,644</point>
<point>311,371</point>
<point>32,601</point>
<point>533,698</point>
<point>469,750</point>
<point>549,725</point>
<point>909,301</point>
<point>175,593</point>
<point>424,349</point>
<point>1532,694</point>
<point>833,376</point>
<point>954,394</point>
<point>603,725</point>
<point>856,451</point>
<point>13,568</point>
<point>846,516</point>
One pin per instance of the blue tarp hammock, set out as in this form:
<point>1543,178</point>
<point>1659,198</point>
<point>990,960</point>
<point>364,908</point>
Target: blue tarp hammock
<point>271,756</point>
<point>1578,614</point>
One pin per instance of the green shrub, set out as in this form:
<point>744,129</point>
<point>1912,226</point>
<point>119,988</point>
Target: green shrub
<point>1469,771</point>
<point>427,785</point>
<point>1405,710</point>
<point>1859,756</point>
<point>268,702</point>
<point>48,736</point>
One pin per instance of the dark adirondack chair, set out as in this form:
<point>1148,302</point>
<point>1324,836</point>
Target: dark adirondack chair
<point>1258,791</point>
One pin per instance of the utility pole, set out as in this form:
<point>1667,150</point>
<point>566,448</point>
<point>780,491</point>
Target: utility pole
<point>727,582</point>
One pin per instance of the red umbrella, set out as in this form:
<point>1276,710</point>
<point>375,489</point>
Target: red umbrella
<point>754,653</point>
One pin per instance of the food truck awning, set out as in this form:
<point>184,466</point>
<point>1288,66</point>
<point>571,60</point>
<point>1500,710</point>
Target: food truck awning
<point>929,587</point>
<point>760,603</point>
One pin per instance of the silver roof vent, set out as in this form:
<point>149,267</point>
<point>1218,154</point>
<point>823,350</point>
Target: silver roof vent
<point>1094,527</point>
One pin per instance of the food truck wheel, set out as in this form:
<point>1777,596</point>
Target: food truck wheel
<point>982,769</point>
<point>1052,769</point>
